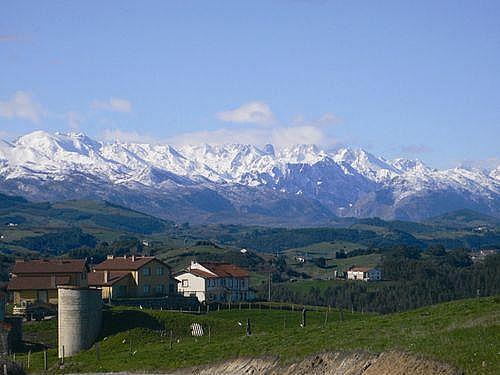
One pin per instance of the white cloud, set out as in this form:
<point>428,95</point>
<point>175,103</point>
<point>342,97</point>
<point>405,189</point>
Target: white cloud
<point>327,119</point>
<point>279,136</point>
<point>487,164</point>
<point>258,113</point>
<point>112,135</point>
<point>74,119</point>
<point>223,136</point>
<point>22,106</point>
<point>286,136</point>
<point>113,105</point>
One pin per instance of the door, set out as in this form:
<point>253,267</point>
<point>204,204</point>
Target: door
<point>42,296</point>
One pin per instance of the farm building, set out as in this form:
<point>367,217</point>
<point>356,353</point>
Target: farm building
<point>364,274</point>
<point>133,276</point>
<point>36,281</point>
<point>214,282</point>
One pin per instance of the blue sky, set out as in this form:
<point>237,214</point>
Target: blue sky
<point>399,78</point>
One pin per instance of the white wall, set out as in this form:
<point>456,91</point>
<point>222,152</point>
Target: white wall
<point>196,286</point>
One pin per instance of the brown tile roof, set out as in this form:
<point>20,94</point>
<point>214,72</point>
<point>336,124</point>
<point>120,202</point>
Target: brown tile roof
<point>49,266</point>
<point>225,269</point>
<point>36,282</point>
<point>97,278</point>
<point>124,263</point>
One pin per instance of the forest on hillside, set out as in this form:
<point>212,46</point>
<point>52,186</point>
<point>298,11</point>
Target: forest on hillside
<point>412,279</point>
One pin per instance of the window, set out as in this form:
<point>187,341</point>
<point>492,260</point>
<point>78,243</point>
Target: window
<point>146,271</point>
<point>146,288</point>
<point>159,271</point>
<point>185,283</point>
<point>159,289</point>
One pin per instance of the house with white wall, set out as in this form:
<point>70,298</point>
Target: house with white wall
<point>214,282</point>
<point>364,274</point>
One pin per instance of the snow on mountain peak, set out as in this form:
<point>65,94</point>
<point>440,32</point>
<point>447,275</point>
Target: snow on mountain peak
<point>341,176</point>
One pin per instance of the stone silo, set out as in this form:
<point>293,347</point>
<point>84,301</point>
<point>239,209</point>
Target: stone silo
<point>80,319</point>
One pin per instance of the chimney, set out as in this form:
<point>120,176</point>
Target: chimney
<point>105,277</point>
<point>52,281</point>
<point>110,256</point>
<point>133,258</point>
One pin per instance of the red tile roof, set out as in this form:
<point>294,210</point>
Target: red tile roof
<point>202,273</point>
<point>97,278</point>
<point>36,282</point>
<point>225,269</point>
<point>361,269</point>
<point>124,263</point>
<point>49,266</point>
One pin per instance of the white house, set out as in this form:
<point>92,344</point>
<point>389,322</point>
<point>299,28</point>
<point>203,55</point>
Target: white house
<point>214,282</point>
<point>364,274</point>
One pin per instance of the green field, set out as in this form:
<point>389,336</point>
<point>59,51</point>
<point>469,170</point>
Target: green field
<point>464,333</point>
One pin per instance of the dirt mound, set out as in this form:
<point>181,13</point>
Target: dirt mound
<point>336,363</point>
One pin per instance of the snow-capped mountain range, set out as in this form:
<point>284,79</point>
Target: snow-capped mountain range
<point>240,183</point>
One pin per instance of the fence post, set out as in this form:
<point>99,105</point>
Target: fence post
<point>45,364</point>
<point>249,329</point>
<point>97,352</point>
<point>5,369</point>
<point>326,317</point>
<point>171,339</point>
<point>129,343</point>
<point>303,318</point>
<point>240,306</point>
<point>29,359</point>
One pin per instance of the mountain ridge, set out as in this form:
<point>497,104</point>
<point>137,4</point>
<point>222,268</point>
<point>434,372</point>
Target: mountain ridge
<point>300,184</point>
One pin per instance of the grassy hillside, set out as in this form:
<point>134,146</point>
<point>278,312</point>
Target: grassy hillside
<point>464,333</point>
<point>464,219</point>
<point>52,228</point>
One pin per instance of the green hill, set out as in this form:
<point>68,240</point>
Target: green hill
<point>54,228</point>
<point>464,219</point>
<point>463,333</point>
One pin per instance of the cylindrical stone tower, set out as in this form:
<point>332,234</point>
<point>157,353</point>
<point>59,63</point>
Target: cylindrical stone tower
<point>80,319</point>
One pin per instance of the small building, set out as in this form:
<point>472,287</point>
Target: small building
<point>300,259</point>
<point>36,281</point>
<point>479,256</point>
<point>133,277</point>
<point>214,282</point>
<point>364,274</point>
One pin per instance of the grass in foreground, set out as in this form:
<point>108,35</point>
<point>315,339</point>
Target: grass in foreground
<point>464,333</point>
